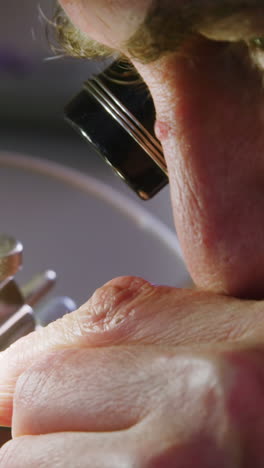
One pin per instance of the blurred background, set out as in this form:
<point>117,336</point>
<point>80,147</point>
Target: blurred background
<point>34,88</point>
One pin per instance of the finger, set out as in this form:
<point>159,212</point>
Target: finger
<point>127,449</point>
<point>113,389</point>
<point>96,390</point>
<point>71,331</point>
<point>69,450</point>
<point>209,391</point>
<point>130,310</point>
<point>208,403</point>
<point>186,417</point>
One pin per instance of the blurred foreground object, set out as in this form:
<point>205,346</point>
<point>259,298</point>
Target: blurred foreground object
<point>17,316</point>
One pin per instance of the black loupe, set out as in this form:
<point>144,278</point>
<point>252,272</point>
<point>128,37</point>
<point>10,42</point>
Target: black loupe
<point>115,113</point>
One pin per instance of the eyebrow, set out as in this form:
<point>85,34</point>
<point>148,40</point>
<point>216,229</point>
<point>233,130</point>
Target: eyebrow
<point>167,26</point>
<point>64,37</point>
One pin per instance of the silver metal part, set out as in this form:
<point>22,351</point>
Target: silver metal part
<point>20,324</point>
<point>11,300</point>
<point>53,310</point>
<point>37,288</point>
<point>17,318</point>
<point>25,320</point>
<point>10,258</point>
<point>128,121</point>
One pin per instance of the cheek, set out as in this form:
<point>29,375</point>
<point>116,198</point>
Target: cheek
<point>211,109</point>
<point>110,22</point>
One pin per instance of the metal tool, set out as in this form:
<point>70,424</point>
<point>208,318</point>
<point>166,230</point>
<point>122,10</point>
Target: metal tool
<point>20,324</point>
<point>10,257</point>
<point>38,287</point>
<point>20,312</point>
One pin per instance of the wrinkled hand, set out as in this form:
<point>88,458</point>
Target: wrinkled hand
<point>140,376</point>
<point>147,376</point>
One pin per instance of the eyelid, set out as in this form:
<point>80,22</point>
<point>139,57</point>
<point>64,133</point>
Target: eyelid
<point>242,26</point>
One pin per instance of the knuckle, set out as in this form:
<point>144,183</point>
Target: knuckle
<point>198,382</point>
<point>113,303</point>
<point>196,397</point>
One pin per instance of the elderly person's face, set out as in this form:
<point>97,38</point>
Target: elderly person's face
<point>203,62</point>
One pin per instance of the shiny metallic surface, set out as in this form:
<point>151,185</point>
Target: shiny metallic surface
<point>37,288</point>
<point>17,318</point>
<point>20,324</point>
<point>10,257</point>
<point>156,144</point>
<point>117,117</point>
<point>11,299</point>
<point>53,310</point>
<point>129,122</point>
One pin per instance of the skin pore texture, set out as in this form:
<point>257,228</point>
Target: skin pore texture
<point>145,375</point>
<point>209,101</point>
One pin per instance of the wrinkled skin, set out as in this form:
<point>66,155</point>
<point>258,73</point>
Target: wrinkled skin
<point>143,376</point>
<point>147,376</point>
<point>209,104</point>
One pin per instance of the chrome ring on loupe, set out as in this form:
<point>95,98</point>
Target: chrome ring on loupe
<point>117,117</point>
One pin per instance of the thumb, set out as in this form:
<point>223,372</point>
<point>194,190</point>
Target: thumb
<point>130,310</point>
